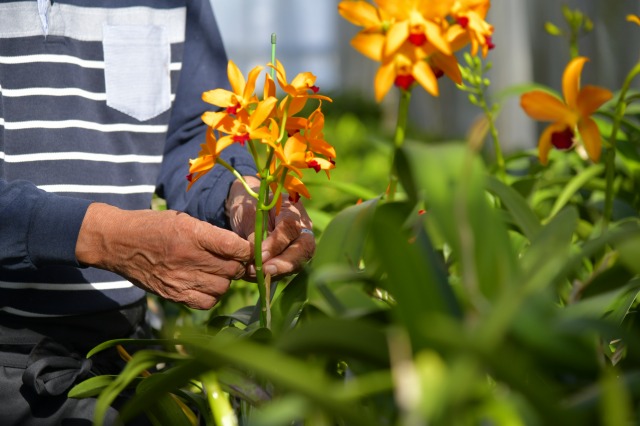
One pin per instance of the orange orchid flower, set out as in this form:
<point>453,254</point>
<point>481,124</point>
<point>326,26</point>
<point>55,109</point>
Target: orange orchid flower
<point>245,126</point>
<point>241,93</point>
<point>403,69</point>
<point>568,117</point>
<point>375,22</point>
<point>470,15</point>
<point>419,22</point>
<point>634,18</point>
<point>207,157</point>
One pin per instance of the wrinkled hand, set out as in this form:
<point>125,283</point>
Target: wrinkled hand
<point>171,254</point>
<point>287,248</point>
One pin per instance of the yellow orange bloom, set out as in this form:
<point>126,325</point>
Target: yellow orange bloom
<point>403,69</point>
<point>241,93</point>
<point>415,40</point>
<point>470,15</point>
<point>207,157</point>
<point>570,116</point>
<point>634,18</point>
<point>419,22</point>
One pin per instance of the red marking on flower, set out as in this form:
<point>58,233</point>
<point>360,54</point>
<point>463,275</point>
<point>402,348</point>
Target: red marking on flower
<point>294,198</point>
<point>463,21</point>
<point>421,212</point>
<point>437,71</point>
<point>489,42</point>
<point>190,177</point>
<point>315,89</point>
<point>404,81</point>
<point>332,161</point>
<point>562,140</point>
<point>233,109</point>
<point>241,139</point>
<point>313,164</point>
<point>417,39</point>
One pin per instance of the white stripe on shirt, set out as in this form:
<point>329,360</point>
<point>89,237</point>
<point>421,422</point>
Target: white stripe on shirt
<point>65,59</point>
<point>66,124</point>
<point>56,91</point>
<point>66,286</point>
<point>83,156</point>
<point>100,189</point>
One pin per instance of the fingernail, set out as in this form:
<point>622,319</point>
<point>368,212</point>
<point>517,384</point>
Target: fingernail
<point>270,269</point>
<point>252,270</point>
<point>265,255</point>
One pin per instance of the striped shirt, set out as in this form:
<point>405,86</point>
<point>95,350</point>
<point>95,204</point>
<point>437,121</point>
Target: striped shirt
<point>99,101</point>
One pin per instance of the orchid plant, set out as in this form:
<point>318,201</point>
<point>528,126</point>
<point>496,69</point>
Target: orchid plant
<point>290,141</point>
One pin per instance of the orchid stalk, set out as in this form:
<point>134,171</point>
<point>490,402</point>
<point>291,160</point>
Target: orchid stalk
<point>281,141</point>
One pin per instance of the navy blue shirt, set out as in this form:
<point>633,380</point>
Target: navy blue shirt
<point>99,101</point>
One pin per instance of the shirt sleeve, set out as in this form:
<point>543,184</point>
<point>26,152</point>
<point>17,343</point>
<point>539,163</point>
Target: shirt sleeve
<point>38,228</point>
<point>204,68</point>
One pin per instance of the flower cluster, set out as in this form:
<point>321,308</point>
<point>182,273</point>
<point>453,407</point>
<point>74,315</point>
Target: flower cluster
<point>415,40</point>
<point>293,142</point>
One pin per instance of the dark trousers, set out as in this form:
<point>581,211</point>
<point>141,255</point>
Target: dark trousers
<point>42,358</point>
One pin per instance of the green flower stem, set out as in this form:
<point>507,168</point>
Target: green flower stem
<point>254,152</point>
<point>261,215</point>
<point>277,193</point>
<point>221,410</point>
<point>238,176</point>
<point>398,140</point>
<point>610,156</point>
<point>502,170</point>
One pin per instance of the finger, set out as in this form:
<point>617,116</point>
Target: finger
<point>224,243</point>
<point>293,258</point>
<point>197,300</point>
<point>285,232</point>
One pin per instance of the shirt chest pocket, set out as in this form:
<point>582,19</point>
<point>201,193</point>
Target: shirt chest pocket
<point>136,69</point>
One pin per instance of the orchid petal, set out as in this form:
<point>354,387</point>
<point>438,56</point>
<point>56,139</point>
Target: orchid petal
<point>543,106</point>
<point>544,143</point>
<point>293,184</point>
<point>396,36</point>
<point>251,83</point>
<point>424,75</point>
<point>591,138</point>
<point>370,45</point>
<point>384,80</point>
<point>359,13</point>
<point>219,97</point>
<point>436,38</point>
<point>262,112</point>
<point>449,65</point>
<point>634,18</point>
<point>591,98</point>
<point>236,79</point>
<point>571,80</point>
<point>213,119</point>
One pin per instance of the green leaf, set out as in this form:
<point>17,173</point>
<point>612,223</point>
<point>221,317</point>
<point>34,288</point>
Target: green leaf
<point>338,337</point>
<point>548,252</point>
<point>415,274</point>
<point>574,185</point>
<point>91,387</point>
<point>289,303</point>
<point>522,214</point>
<point>451,180</point>
<point>141,361</point>
<point>159,385</point>
<point>344,239</point>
